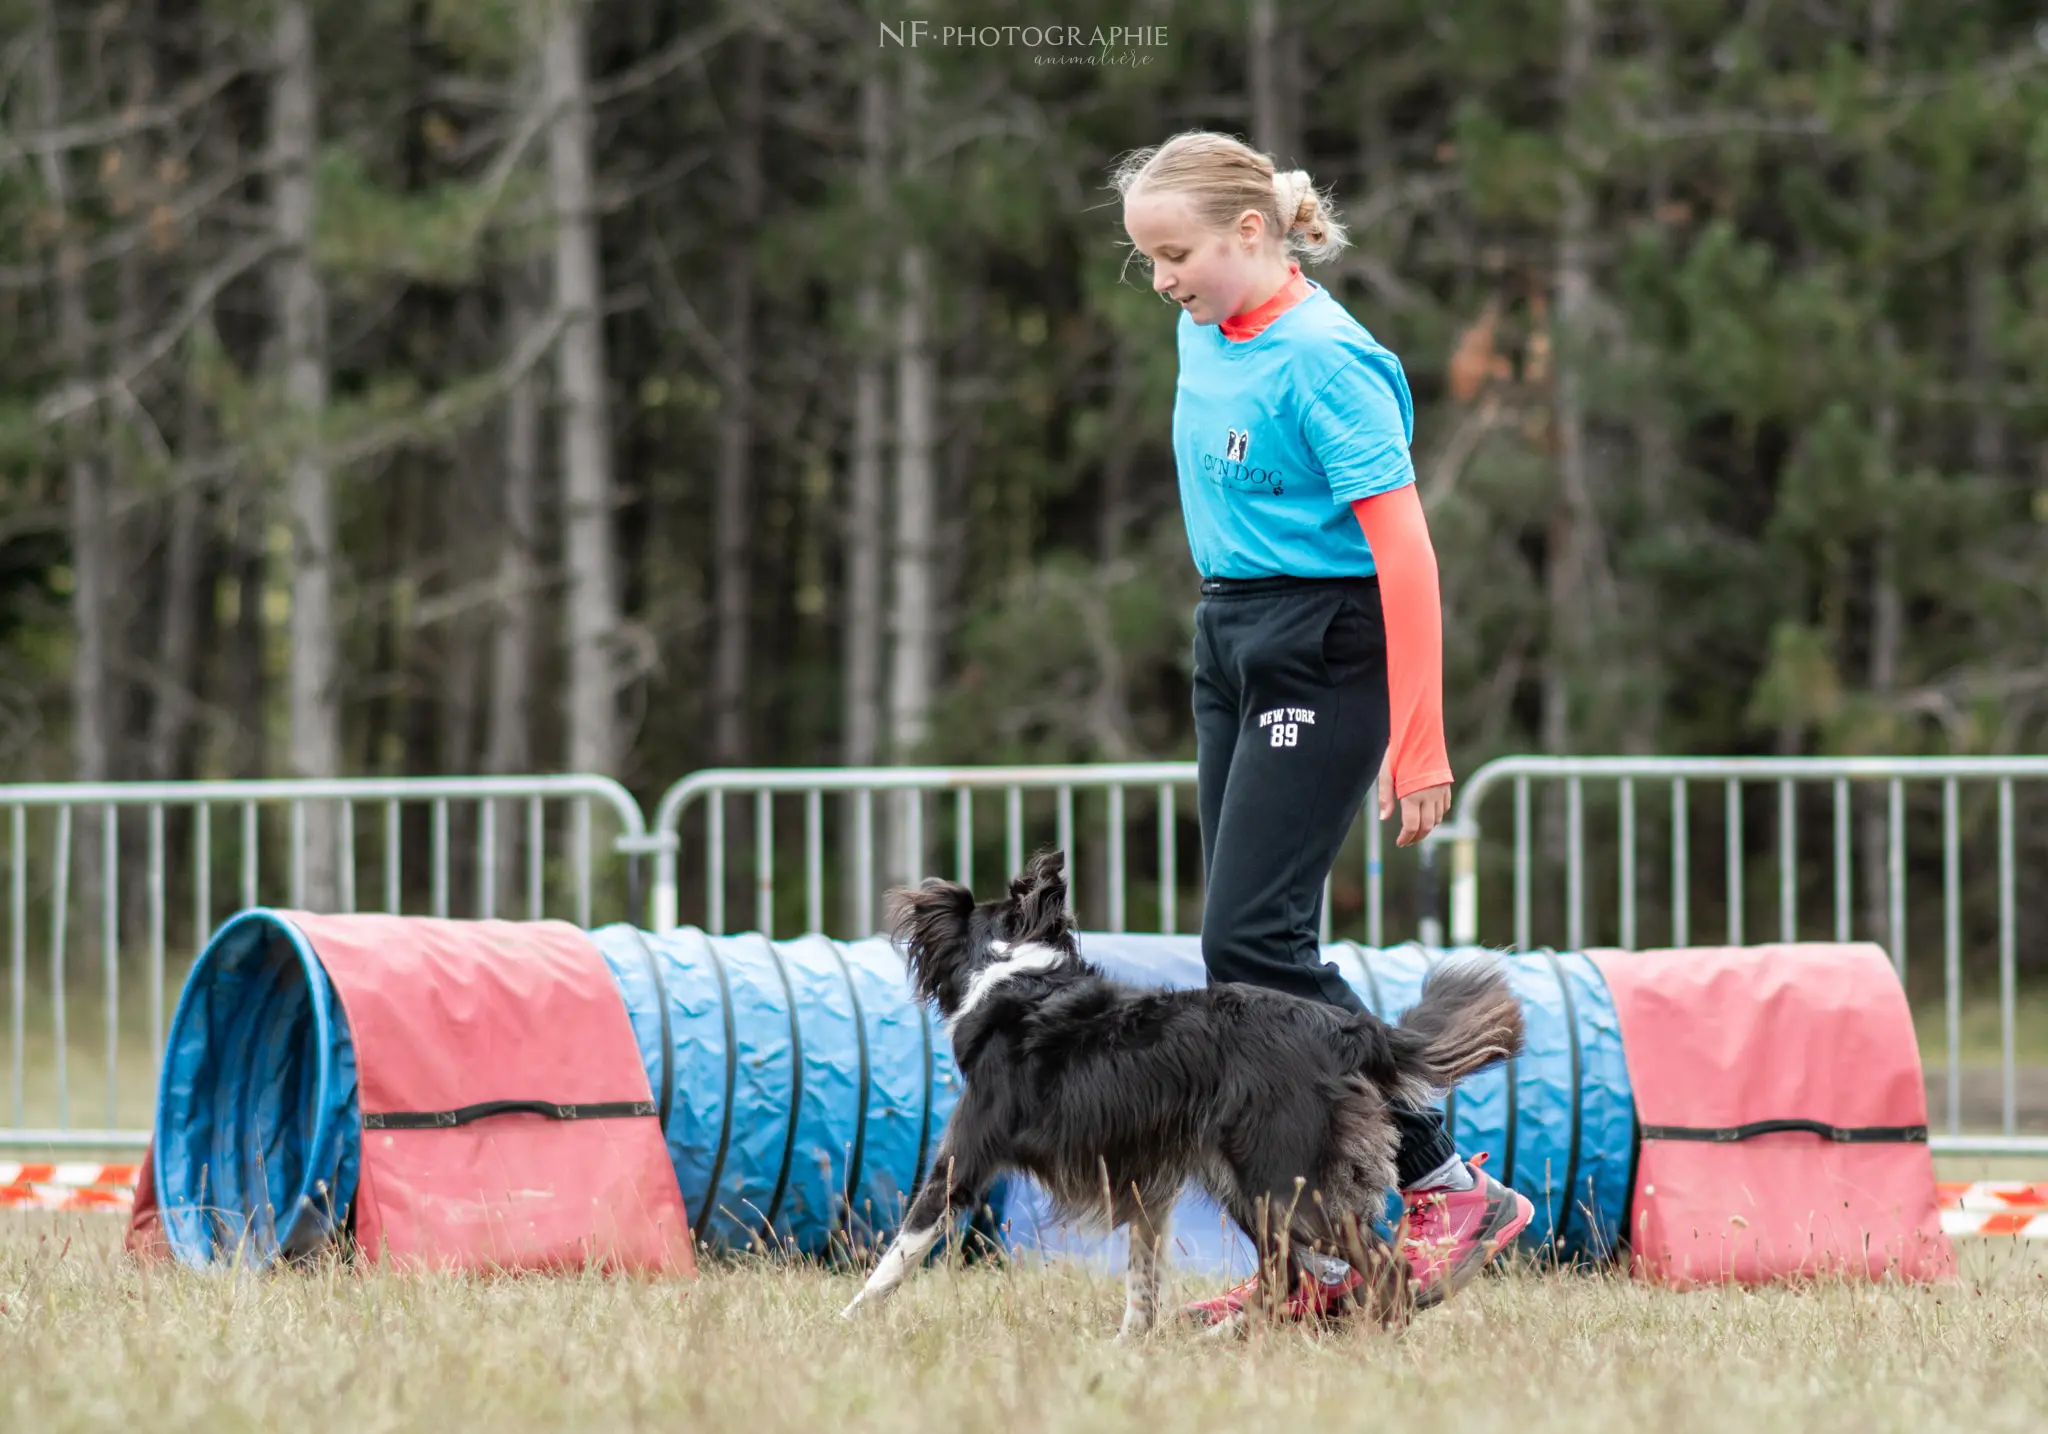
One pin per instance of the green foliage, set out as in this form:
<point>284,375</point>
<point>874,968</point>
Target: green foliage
<point>369,232</point>
<point>1815,333</point>
<point>489,35</point>
<point>1120,632</point>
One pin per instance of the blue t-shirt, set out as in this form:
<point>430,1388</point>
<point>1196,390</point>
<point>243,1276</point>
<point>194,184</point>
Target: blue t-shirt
<point>1275,436</point>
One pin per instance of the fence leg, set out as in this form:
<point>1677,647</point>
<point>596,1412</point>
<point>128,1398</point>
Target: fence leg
<point>1465,891</point>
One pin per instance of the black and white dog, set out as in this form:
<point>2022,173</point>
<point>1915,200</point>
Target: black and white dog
<point>1114,1096</point>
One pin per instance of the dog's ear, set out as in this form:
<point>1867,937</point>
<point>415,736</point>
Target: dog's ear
<point>1045,867</point>
<point>930,922</point>
<point>1039,899</point>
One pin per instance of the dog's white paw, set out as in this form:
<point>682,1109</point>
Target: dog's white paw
<point>852,1305</point>
<point>1233,1326</point>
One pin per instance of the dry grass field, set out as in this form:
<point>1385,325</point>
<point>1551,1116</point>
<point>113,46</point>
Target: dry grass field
<point>88,1341</point>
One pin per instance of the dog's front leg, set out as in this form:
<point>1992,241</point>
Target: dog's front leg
<point>911,1245</point>
<point>953,1184</point>
<point>1141,1275</point>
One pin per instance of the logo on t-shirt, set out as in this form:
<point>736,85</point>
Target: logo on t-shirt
<point>1232,469</point>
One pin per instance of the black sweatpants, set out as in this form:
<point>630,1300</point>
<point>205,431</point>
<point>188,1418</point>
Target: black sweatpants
<point>1290,728</point>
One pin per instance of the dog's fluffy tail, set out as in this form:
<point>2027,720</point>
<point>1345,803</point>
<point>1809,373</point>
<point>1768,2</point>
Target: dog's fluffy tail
<point>1466,1020</point>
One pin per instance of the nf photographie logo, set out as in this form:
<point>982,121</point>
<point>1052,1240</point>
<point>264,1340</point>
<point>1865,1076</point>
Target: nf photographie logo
<point>1047,44</point>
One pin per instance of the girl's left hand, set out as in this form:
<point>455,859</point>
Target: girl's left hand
<point>1420,811</point>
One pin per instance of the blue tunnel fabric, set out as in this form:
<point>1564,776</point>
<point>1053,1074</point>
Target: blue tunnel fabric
<point>806,1085</point>
<point>257,1138</point>
<point>1561,1117</point>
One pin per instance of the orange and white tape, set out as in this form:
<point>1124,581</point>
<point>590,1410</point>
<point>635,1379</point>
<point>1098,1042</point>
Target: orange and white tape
<point>1982,1207</point>
<point>1994,1207</point>
<point>67,1185</point>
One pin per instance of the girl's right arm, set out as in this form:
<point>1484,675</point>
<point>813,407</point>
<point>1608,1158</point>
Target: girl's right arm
<point>1418,764</point>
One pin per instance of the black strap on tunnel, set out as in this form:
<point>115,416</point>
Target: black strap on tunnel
<point>483,1110</point>
<point>858,1157</point>
<point>1635,1162</point>
<point>1507,1159</point>
<point>1840,1134</point>
<point>732,1076</point>
<point>664,1092</point>
<point>1571,1162</point>
<point>796,1087</point>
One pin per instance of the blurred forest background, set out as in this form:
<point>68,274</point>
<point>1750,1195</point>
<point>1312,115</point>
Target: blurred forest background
<point>443,386</point>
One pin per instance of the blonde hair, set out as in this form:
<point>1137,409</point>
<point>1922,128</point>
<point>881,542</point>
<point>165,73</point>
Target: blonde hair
<point>1223,176</point>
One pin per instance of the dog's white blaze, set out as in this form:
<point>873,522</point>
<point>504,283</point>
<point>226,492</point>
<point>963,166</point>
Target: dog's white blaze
<point>905,1251</point>
<point>1031,956</point>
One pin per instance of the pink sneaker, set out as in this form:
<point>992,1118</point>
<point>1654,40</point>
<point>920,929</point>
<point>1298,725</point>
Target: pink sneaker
<point>1225,1306</point>
<point>1451,1234</point>
<point>1314,1300</point>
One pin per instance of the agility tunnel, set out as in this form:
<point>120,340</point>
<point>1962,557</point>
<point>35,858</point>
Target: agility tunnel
<point>461,1094</point>
<point>257,1143</point>
<point>528,1095</point>
<point>1782,1116</point>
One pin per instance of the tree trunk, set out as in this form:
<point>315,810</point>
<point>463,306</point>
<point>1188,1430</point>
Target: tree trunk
<point>1987,417</point>
<point>736,419</point>
<point>1273,65</point>
<point>315,660</point>
<point>177,687</point>
<point>1885,625</point>
<point>593,589</point>
<point>912,623</point>
<point>1574,523</point>
<point>912,626</point>
<point>1656,442</point>
<point>87,529</point>
<point>509,739</point>
<point>866,541</point>
<point>1569,558</point>
<point>863,638</point>
<point>175,624</point>
<point>249,756</point>
<point>1886,607</point>
<point>457,676</point>
<point>958,367</point>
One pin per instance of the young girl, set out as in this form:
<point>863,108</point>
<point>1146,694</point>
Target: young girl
<point>1319,632</point>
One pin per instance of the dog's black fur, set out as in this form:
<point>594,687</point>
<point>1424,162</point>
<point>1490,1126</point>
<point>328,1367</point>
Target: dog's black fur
<point>1114,1097</point>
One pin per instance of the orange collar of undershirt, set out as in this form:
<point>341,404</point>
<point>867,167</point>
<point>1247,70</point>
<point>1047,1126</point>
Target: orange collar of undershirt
<point>1251,323</point>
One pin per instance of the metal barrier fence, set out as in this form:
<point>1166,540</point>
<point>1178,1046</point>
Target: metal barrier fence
<point>486,846</point>
<point>853,865</point>
<point>420,836</point>
<point>1889,786</point>
<point>1098,853</point>
<point>904,846</point>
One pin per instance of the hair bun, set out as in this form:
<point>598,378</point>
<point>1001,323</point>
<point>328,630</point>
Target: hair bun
<point>1296,192</point>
